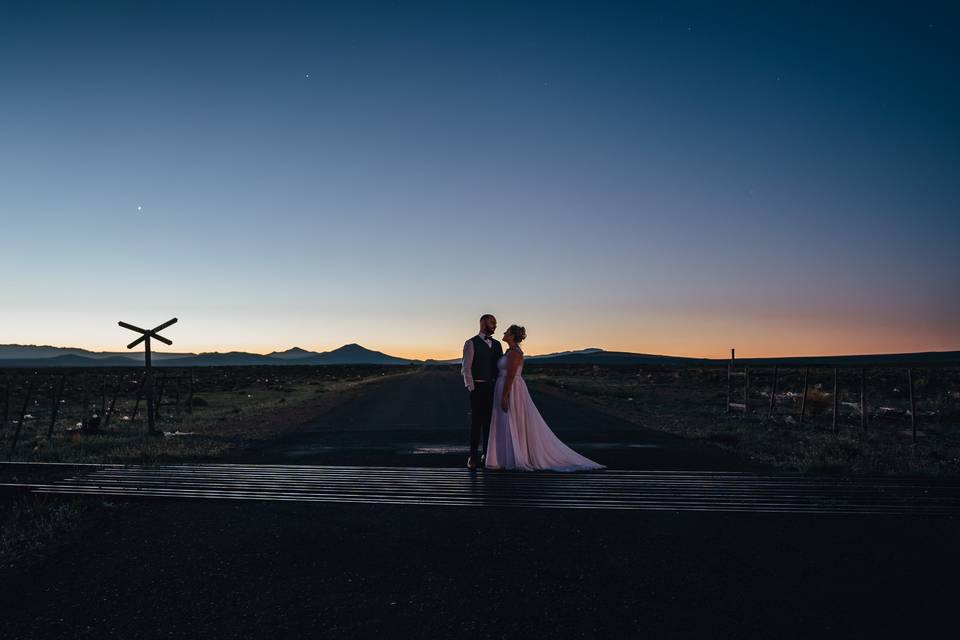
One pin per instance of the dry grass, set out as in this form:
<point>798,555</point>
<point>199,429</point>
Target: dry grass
<point>238,411</point>
<point>689,402</point>
<point>231,413</point>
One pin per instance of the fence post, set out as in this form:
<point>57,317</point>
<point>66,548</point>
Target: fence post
<point>190,396</point>
<point>773,390</point>
<point>863,403</point>
<point>746,390</point>
<point>913,407</point>
<point>836,400</point>
<point>113,402</point>
<point>177,391</point>
<point>23,412</point>
<point>85,407</point>
<point>136,405</point>
<point>730,381</point>
<point>6,403</point>
<point>163,384</point>
<point>56,405</point>
<point>803,398</point>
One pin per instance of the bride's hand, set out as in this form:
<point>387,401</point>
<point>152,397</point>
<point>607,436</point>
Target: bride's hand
<point>504,403</point>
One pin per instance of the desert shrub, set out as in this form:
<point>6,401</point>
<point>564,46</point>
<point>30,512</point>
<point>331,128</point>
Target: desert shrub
<point>819,402</point>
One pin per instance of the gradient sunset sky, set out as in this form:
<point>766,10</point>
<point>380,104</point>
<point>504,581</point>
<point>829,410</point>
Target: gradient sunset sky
<point>675,178</point>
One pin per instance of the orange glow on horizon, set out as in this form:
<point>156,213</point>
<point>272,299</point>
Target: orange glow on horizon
<point>684,334</point>
<point>665,347</point>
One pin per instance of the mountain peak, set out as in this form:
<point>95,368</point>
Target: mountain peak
<point>354,353</point>
<point>292,352</point>
<point>353,346</point>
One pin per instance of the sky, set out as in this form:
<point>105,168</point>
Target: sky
<point>675,178</point>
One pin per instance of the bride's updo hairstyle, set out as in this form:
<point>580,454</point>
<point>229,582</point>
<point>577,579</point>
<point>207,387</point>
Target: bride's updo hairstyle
<point>518,332</point>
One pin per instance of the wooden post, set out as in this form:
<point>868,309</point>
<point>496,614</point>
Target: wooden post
<point>190,395</point>
<point>176,402</point>
<point>23,411</point>
<point>746,390</point>
<point>136,404</point>
<point>863,402</point>
<point>836,399</point>
<point>6,403</point>
<point>913,406</point>
<point>145,335</point>
<point>113,402</point>
<point>730,380</point>
<point>151,427</point>
<point>773,390</point>
<point>56,405</point>
<point>163,385</point>
<point>85,406</point>
<point>803,398</point>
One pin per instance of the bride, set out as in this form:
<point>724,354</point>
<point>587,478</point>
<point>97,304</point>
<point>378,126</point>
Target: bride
<point>519,437</point>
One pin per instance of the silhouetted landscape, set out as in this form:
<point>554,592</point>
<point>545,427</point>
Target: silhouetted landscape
<point>29,356</point>
<point>26,356</point>
<point>507,321</point>
<point>682,397</point>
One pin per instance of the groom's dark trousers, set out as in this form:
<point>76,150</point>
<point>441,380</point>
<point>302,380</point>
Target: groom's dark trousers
<point>481,408</point>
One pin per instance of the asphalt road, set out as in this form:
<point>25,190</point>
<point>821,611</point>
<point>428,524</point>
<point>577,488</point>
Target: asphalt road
<point>218,568</point>
<point>423,420</point>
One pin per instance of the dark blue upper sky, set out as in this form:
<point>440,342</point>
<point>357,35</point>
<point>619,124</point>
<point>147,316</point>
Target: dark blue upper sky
<point>661,177</point>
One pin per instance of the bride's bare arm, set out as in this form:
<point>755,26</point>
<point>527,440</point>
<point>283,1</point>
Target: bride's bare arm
<point>513,363</point>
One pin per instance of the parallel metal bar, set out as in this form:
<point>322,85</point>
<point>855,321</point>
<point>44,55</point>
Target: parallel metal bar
<point>565,481</point>
<point>498,501</point>
<point>566,486</point>
<point>610,489</point>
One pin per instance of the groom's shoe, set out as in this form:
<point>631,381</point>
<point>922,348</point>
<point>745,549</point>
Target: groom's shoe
<point>483,462</point>
<point>471,463</point>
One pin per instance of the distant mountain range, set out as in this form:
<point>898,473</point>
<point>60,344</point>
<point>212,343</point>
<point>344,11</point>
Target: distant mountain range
<point>15,355</point>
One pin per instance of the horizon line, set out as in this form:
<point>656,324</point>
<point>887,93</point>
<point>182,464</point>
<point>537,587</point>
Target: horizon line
<point>422,358</point>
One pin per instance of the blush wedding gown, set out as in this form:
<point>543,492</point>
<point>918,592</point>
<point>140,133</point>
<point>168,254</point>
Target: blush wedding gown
<point>520,438</point>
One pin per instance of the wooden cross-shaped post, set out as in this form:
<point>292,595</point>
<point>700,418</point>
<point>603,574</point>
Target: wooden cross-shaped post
<point>148,376</point>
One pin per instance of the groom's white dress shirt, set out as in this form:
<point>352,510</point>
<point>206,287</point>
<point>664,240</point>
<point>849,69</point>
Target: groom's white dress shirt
<point>466,367</point>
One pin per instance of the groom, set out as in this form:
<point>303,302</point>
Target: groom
<point>479,368</point>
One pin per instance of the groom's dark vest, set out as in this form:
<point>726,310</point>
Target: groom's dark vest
<point>485,359</point>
